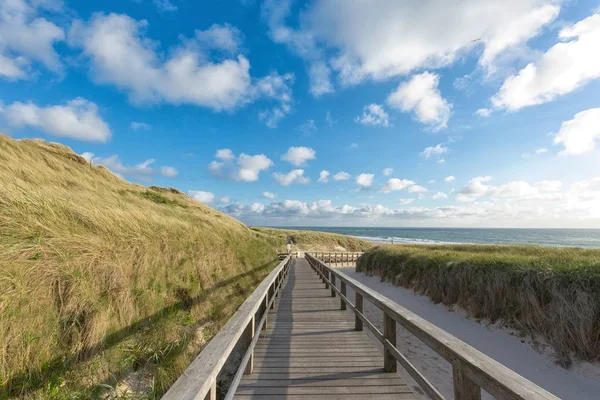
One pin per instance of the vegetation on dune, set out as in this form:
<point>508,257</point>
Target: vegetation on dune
<point>316,241</point>
<point>541,291</point>
<point>108,287</point>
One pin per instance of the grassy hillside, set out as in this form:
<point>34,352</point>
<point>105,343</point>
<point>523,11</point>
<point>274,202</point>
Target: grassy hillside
<point>541,291</point>
<point>108,287</point>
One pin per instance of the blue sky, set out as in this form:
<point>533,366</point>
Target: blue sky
<point>335,113</point>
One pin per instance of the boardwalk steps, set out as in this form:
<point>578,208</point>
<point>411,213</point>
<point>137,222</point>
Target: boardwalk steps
<point>300,342</point>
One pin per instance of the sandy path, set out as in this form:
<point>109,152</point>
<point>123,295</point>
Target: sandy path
<point>580,382</point>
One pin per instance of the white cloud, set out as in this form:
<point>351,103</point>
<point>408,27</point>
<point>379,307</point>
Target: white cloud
<point>341,176</point>
<point>580,134</point>
<point>541,150</point>
<point>164,5</point>
<point>308,127</point>
<point>421,95</point>
<point>324,176</point>
<point>226,38</point>
<point>358,41</point>
<point>202,196</point>
<point>374,115</point>
<point>478,187</point>
<point>76,119</point>
<point>434,151</point>
<point>136,126</point>
<point>395,184</point>
<point>513,204</point>
<point>354,145</point>
<point>27,37</point>
<point>365,180</point>
<point>142,171</point>
<point>120,54</point>
<point>417,189</point>
<point>167,171</point>
<point>225,154</point>
<point>245,167</point>
<point>388,171</point>
<point>565,67</point>
<point>449,178</point>
<point>405,201</point>
<point>439,195</point>
<point>484,112</point>
<point>294,176</point>
<point>225,200</point>
<point>298,156</point>
<point>269,195</point>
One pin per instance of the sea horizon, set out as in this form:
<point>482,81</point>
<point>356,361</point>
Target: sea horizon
<point>555,237</point>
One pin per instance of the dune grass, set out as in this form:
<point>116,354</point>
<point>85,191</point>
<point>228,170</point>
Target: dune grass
<point>108,288</point>
<point>541,291</point>
<point>316,241</point>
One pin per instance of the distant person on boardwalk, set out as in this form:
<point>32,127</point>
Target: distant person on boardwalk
<point>288,244</point>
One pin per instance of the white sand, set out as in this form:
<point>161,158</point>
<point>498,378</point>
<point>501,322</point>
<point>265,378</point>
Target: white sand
<point>580,382</point>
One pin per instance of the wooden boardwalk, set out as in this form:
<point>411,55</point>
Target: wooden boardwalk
<point>311,350</point>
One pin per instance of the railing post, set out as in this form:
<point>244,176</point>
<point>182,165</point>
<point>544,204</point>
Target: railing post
<point>325,274</point>
<point>389,333</point>
<point>248,336</point>
<point>358,303</point>
<point>212,393</point>
<point>464,388</point>
<point>266,311</point>
<point>271,294</point>
<point>343,290</point>
<point>332,283</point>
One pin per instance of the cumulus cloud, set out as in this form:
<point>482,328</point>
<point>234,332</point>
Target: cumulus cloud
<point>294,176</point>
<point>565,67</point>
<point>405,201</point>
<point>298,156</point>
<point>374,115</point>
<point>483,112</point>
<point>202,196</point>
<point>121,54</point>
<point>269,195</point>
<point>341,176</point>
<point>308,127</point>
<point>417,189</point>
<point>434,151</point>
<point>439,195</point>
<point>76,119</point>
<point>362,42</point>
<point>388,171</point>
<point>169,172</point>
<point>449,178</point>
<point>365,180</point>
<point>421,95</point>
<point>27,37</point>
<point>244,167</point>
<point>324,176</point>
<point>479,187</point>
<point>580,134</point>
<point>395,184</point>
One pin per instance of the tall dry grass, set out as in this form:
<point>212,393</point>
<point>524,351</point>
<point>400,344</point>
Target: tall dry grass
<point>541,291</point>
<point>103,282</point>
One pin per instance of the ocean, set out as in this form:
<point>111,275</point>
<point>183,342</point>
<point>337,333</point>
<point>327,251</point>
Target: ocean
<point>545,237</point>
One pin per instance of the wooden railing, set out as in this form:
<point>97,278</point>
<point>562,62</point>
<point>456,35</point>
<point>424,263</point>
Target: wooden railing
<point>472,370</point>
<point>199,380</point>
<point>335,258</point>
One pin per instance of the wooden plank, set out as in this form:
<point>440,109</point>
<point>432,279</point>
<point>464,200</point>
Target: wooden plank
<point>309,390</point>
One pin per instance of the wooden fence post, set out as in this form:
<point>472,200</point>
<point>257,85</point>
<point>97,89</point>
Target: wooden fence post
<point>464,388</point>
<point>266,311</point>
<point>271,294</point>
<point>332,278</point>
<point>358,303</point>
<point>248,336</point>
<point>343,290</point>
<point>212,393</point>
<point>389,333</point>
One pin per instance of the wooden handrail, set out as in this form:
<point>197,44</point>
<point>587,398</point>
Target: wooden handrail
<point>472,370</point>
<point>199,380</point>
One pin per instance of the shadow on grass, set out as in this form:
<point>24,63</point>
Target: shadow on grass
<point>35,379</point>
